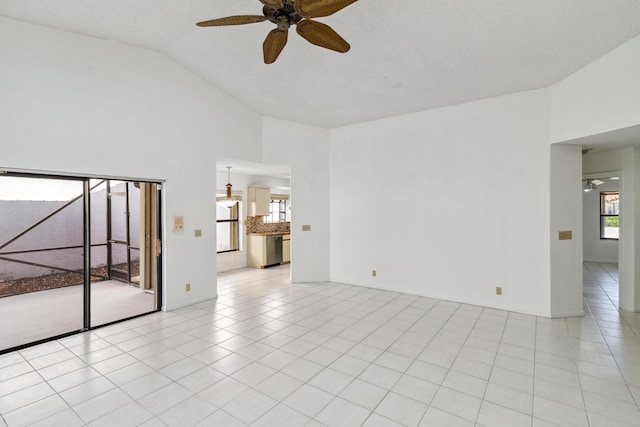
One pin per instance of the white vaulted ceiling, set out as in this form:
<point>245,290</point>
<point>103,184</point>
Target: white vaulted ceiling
<point>406,55</point>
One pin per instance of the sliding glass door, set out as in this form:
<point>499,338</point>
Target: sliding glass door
<point>41,258</point>
<point>70,255</point>
<point>128,231</point>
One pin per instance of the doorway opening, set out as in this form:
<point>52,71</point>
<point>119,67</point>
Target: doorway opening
<point>256,231</point>
<point>75,253</point>
<point>601,221</point>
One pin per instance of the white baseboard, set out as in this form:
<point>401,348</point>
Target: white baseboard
<point>187,303</point>
<point>567,314</point>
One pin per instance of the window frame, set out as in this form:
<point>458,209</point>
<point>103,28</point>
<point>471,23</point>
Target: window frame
<point>235,220</point>
<point>604,215</point>
<point>281,211</point>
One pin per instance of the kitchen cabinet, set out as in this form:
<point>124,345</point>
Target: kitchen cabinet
<point>259,199</point>
<point>267,249</point>
<point>256,251</point>
<point>286,249</point>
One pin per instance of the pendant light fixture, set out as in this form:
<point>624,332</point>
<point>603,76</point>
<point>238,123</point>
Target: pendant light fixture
<point>228,201</point>
<point>589,185</point>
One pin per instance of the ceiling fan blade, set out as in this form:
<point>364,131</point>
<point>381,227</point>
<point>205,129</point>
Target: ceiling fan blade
<point>319,8</point>
<point>322,35</point>
<point>273,45</point>
<point>597,181</point>
<point>276,4</point>
<point>232,20</point>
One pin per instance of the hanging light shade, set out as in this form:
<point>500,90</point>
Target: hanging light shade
<point>589,185</point>
<point>228,201</point>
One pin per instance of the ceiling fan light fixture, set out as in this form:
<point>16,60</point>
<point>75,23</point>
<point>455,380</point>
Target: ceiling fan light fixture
<point>588,185</point>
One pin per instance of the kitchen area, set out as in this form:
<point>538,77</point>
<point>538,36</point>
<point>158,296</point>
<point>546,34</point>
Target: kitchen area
<point>268,228</point>
<point>263,216</point>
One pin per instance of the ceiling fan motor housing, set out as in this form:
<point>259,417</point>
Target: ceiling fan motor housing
<point>284,17</point>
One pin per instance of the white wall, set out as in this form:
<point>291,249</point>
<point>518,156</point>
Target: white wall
<point>448,203</point>
<point>630,290</point>
<point>566,215</point>
<point>306,150</point>
<point>627,161</point>
<point>601,97</point>
<point>595,248</point>
<point>75,104</point>
<point>433,201</point>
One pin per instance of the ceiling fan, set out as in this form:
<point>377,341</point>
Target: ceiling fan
<point>591,184</point>
<point>285,13</point>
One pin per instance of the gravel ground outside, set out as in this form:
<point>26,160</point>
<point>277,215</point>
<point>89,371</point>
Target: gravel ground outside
<point>60,280</point>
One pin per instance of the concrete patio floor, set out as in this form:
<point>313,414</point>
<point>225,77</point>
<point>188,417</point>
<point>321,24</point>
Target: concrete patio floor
<point>39,315</point>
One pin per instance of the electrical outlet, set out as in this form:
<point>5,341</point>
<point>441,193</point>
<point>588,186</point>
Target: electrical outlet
<point>498,290</point>
<point>374,273</point>
<point>198,233</point>
<point>187,287</point>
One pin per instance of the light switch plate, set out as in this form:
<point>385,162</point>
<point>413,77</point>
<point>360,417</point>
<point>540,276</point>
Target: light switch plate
<point>198,233</point>
<point>177,223</point>
<point>306,228</point>
<point>565,235</point>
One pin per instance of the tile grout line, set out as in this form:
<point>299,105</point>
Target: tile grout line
<point>414,359</point>
<point>613,356</point>
<point>302,357</point>
<point>584,402</point>
<point>504,327</point>
<point>309,316</point>
<point>370,363</point>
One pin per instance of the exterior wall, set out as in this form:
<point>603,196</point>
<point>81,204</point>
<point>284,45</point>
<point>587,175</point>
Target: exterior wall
<point>63,229</point>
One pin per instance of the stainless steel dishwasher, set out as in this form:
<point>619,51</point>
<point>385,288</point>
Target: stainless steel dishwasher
<point>274,249</point>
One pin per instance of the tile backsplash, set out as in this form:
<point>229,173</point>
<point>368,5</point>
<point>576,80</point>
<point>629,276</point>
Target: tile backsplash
<point>256,224</point>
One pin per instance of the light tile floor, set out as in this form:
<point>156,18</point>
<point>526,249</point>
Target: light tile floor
<point>268,353</point>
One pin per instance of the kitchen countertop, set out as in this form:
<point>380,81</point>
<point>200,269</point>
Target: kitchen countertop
<point>271,233</point>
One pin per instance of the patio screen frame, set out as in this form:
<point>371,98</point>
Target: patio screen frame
<point>87,246</point>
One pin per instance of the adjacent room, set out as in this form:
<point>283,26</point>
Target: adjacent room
<point>254,218</point>
<point>341,213</point>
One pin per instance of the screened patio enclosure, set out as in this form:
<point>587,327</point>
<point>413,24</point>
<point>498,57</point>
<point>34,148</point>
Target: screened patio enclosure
<point>75,253</point>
